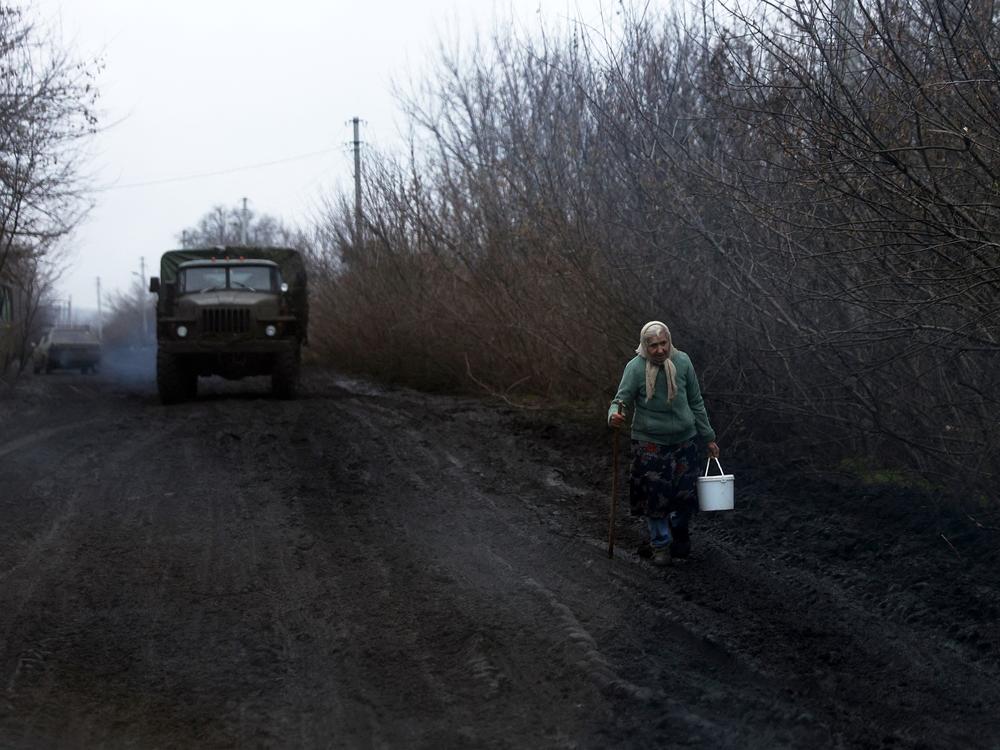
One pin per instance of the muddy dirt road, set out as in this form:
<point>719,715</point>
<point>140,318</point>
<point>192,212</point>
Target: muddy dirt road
<point>378,568</point>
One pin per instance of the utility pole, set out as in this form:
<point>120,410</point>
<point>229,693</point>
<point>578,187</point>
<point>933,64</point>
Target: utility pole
<point>243,224</point>
<point>357,182</point>
<point>100,317</point>
<point>221,218</point>
<point>142,294</point>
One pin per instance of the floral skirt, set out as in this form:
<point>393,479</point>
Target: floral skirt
<point>664,479</point>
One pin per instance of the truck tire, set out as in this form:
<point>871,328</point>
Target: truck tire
<point>285,375</point>
<point>170,378</point>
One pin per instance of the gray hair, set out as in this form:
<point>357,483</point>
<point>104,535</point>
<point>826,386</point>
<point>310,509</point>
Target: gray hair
<point>653,330</point>
<point>650,331</point>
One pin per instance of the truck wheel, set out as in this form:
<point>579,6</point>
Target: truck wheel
<point>285,375</point>
<point>170,380</point>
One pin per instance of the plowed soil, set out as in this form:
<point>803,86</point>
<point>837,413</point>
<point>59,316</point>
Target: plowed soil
<point>367,567</point>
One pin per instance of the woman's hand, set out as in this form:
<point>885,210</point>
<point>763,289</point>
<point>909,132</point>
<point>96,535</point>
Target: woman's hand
<point>713,450</point>
<point>617,420</point>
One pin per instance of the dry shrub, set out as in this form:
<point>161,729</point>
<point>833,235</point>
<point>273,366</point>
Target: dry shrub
<point>519,332</point>
<point>807,196</point>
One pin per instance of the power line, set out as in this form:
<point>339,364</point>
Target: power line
<point>202,175</point>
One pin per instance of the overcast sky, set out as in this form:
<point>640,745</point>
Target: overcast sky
<point>205,102</point>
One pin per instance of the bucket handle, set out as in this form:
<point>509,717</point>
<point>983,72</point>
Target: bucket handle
<point>709,463</point>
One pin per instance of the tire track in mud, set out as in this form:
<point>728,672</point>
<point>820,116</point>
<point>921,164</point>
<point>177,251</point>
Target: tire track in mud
<point>806,624</point>
<point>48,616</point>
<point>592,661</point>
<point>570,644</point>
<point>816,651</point>
<point>577,647</point>
<point>312,590</point>
<point>380,597</point>
<point>440,621</point>
<point>26,441</point>
<point>372,567</point>
<point>128,505</point>
<point>280,590</point>
<point>746,613</point>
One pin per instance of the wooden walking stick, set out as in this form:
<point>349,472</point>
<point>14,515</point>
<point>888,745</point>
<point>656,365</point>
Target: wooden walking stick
<point>614,487</point>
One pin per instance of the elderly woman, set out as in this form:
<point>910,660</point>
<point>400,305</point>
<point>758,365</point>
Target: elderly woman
<point>668,413</point>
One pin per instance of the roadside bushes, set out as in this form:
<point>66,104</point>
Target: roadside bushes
<point>806,196</point>
<point>436,321</point>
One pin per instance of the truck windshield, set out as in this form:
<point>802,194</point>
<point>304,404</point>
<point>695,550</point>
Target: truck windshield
<point>257,278</point>
<point>72,336</point>
<point>206,278</point>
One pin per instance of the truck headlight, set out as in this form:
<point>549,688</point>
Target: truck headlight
<point>182,331</point>
<point>270,330</point>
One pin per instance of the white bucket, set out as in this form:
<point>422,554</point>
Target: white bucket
<point>715,493</point>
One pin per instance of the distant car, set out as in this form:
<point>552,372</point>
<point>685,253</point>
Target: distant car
<point>68,348</point>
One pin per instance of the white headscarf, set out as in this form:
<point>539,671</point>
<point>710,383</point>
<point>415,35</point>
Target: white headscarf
<point>651,330</point>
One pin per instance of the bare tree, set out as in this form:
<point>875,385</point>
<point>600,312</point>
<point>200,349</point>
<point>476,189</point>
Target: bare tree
<point>872,174</point>
<point>238,226</point>
<point>808,191</point>
<point>47,102</point>
<point>123,322</point>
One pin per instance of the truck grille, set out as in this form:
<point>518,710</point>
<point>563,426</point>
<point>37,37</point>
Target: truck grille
<point>225,320</point>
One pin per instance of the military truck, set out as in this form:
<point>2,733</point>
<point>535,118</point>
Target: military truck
<point>68,348</point>
<point>229,311</point>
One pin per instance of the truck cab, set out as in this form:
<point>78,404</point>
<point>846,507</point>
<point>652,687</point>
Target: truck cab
<point>233,315</point>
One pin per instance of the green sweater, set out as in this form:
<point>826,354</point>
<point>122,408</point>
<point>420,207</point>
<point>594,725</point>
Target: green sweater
<point>656,421</point>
